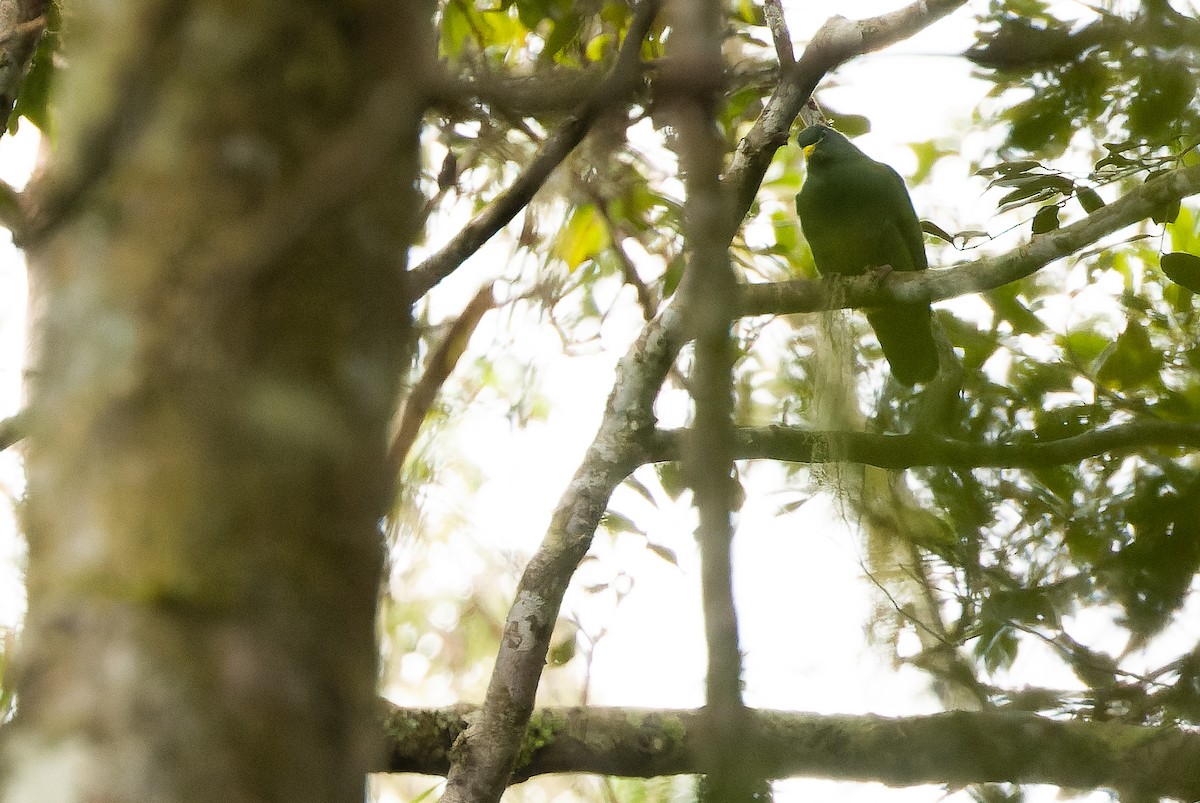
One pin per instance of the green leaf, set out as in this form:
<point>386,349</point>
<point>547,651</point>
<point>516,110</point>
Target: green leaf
<point>673,275</point>
<point>1167,212</point>
<point>563,649</point>
<point>1085,344</point>
<point>671,477</point>
<point>787,233</point>
<point>1065,422</point>
<point>584,236</point>
<point>1089,199</point>
<point>424,795</point>
<point>562,34</point>
<point>1033,188</point>
<point>1009,307</point>
<point>617,523</point>
<point>600,46</point>
<point>852,125</point>
<point>997,646</point>
<point>1181,406</point>
<point>1183,269</point>
<point>1008,168</point>
<point>531,12</point>
<point>455,30</point>
<point>967,235</point>
<point>1034,182</point>
<point>663,552</point>
<point>1133,362</point>
<point>1046,219</point>
<point>640,488</point>
<point>33,99</point>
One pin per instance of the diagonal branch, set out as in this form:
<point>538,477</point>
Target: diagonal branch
<point>13,429</point>
<point>485,753</point>
<point>438,367</point>
<point>623,78</point>
<point>954,749</point>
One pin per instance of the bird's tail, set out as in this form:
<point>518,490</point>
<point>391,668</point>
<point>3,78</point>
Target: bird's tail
<point>906,335</point>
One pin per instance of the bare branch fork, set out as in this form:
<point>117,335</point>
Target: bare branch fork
<point>485,752</point>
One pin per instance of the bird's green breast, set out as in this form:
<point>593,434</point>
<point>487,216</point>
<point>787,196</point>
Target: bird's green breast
<point>854,213</point>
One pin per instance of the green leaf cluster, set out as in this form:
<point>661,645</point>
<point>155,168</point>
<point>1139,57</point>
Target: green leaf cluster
<point>1138,72</point>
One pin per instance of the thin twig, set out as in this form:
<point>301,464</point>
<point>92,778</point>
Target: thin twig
<point>438,368</point>
<point>645,295</point>
<point>773,10</point>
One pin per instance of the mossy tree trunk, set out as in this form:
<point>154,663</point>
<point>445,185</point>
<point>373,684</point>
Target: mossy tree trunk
<point>220,325</point>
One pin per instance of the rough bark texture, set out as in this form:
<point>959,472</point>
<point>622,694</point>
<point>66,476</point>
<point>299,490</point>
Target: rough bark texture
<point>207,457</point>
<point>954,748</point>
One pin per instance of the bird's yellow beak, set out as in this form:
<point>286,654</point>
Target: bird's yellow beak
<point>808,149</point>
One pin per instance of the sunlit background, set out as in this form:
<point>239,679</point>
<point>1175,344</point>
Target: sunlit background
<point>501,449</point>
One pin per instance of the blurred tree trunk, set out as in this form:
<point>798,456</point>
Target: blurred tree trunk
<point>220,324</point>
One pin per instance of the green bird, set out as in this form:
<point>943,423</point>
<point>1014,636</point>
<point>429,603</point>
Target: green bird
<point>856,215</point>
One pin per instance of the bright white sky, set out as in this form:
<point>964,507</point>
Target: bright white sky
<point>802,596</point>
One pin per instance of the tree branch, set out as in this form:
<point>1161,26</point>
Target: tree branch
<point>437,370</point>
<point>707,295</point>
<point>954,749</point>
<point>13,429</point>
<point>485,752</point>
<point>332,178</point>
<point>923,449</point>
<point>773,11</point>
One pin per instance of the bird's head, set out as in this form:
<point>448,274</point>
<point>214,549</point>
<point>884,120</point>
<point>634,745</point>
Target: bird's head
<point>819,142</point>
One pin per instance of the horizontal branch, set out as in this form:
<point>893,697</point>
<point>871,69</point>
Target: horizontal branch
<point>955,748</point>
<point>804,295</point>
<point>905,451</point>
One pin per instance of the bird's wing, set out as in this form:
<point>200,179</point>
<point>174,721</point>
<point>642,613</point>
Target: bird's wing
<point>903,218</point>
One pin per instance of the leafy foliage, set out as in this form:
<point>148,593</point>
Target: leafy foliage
<point>1109,338</point>
<point>1136,74</point>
